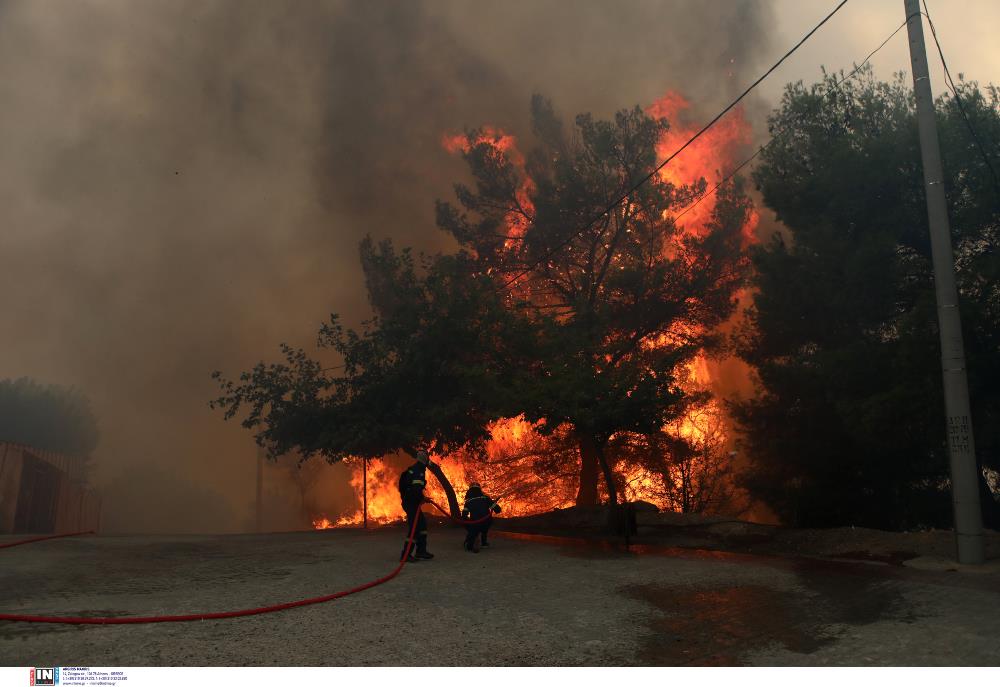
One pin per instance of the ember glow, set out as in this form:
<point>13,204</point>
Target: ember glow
<point>521,467</point>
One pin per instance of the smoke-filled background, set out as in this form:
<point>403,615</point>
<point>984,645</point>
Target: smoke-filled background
<point>183,185</point>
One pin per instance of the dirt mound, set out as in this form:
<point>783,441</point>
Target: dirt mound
<point>723,533</point>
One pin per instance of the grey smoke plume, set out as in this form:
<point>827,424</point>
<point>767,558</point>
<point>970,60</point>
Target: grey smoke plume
<point>183,185</point>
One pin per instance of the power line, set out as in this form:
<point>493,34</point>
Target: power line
<point>677,152</point>
<point>958,101</point>
<point>785,130</point>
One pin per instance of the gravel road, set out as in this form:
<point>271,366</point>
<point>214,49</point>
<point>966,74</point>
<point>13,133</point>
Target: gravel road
<point>524,601</point>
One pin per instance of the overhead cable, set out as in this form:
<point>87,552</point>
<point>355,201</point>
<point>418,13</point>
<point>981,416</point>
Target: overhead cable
<point>677,152</point>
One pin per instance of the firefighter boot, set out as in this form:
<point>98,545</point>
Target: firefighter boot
<point>422,551</point>
<point>403,557</point>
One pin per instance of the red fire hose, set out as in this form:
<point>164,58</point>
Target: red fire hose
<point>50,536</point>
<point>462,521</point>
<point>15,617</point>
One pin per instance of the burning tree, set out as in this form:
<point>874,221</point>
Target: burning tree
<point>618,305</point>
<point>564,330</point>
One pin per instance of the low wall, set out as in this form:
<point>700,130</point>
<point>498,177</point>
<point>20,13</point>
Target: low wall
<point>76,508</point>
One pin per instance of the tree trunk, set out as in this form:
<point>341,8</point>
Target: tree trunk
<point>449,490</point>
<point>609,477</point>
<point>686,487</point>
<point>587,493</point>
<point>616,516</point>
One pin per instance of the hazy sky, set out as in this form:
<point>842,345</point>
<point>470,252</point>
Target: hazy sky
<point>967,30</point>
<point>183,184</point>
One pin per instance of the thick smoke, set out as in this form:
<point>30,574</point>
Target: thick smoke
<point>183,185</point>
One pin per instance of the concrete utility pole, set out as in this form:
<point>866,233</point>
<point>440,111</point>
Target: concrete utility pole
<point>964,471</point>
<point>366,492</point>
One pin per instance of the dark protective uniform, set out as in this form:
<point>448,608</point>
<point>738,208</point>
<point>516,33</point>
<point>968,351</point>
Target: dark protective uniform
<point>477,506</point>
<point>411,493</point>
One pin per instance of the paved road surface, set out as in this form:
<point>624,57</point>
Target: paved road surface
<point>521,602</point>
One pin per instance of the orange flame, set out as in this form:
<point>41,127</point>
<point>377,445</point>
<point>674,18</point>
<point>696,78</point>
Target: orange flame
<point>518,217</point>
<point>710,156</point>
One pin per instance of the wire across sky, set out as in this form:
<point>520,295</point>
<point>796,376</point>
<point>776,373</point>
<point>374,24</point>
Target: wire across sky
<point>637,185</point>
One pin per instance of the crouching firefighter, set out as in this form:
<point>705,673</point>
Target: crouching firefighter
<point>477,507</point>
<point>411,492</point>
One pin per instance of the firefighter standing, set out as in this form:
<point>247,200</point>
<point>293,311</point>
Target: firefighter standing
<point>477,506</point>
<point>411,492</point>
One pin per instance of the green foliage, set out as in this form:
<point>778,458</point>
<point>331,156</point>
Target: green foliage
<point>849,428</point>
<point>50,418</point>
<point>424,372</point>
